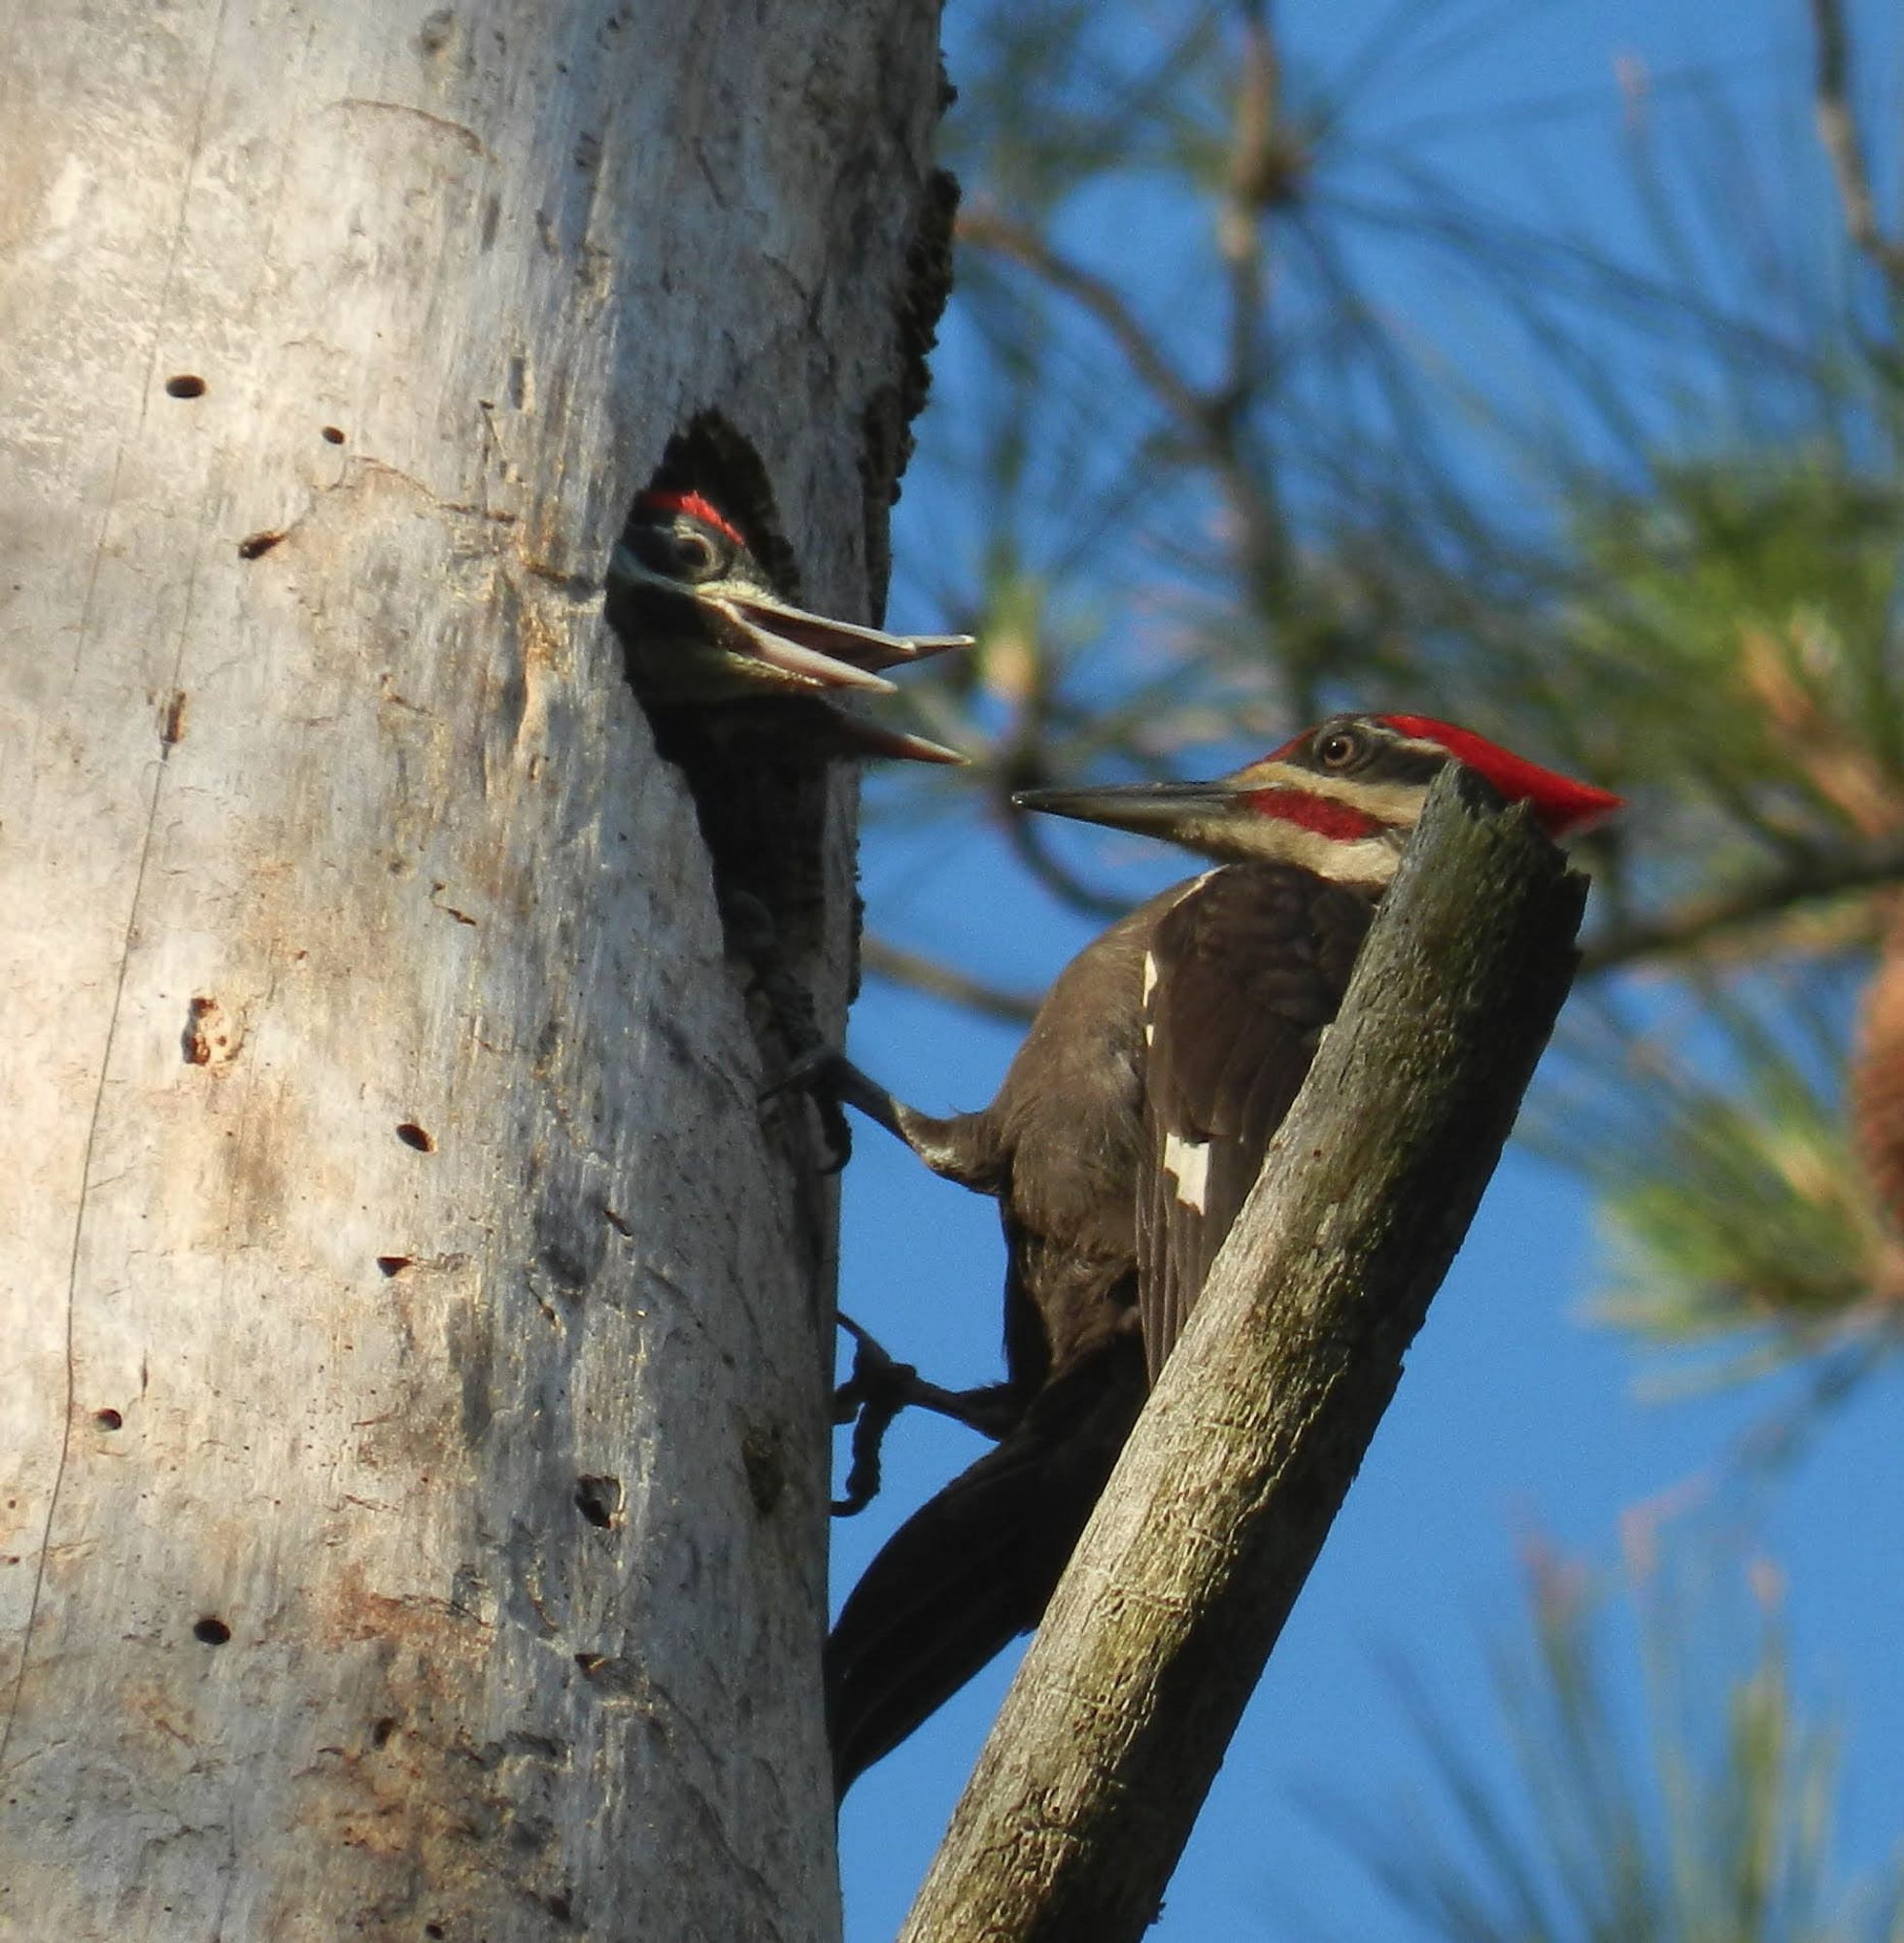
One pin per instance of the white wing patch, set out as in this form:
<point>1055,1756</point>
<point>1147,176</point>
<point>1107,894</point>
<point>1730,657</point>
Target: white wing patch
<point>1149,986</point>
<point>1187,1163</point>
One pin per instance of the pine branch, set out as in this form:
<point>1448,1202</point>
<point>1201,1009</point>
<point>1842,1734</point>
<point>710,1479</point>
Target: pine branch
<point>991,229</point>
<point>1867,865</point>
<point>1029,846</point>
<point>1844,147</point>
<point>1094,1773</point>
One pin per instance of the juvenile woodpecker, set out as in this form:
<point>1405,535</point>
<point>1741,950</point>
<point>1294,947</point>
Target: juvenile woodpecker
<point>704,627</point>
<point>1129,1130</point>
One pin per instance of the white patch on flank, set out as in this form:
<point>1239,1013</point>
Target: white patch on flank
<point>1150,971</point>
<point>1187,1163</point>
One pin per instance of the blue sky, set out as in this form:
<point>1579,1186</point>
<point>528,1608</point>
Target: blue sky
<point>1518,1417</point>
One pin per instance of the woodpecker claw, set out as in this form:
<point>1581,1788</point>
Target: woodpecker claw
<point>806,1075</point>
<point>868,1399</point>
<point>810,1073</point>
<point>875,1393</point>
<point>827,1073</point>
<point>838,1131</point>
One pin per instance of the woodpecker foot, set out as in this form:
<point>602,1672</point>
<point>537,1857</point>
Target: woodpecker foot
<point>837,1130</point>
<point>833,1081</point>
<point>806,1075</point>
<point>875,1393</point>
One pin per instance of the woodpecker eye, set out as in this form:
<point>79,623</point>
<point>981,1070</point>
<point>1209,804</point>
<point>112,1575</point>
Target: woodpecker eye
<point>695,551</point>
<point>1338,749</point>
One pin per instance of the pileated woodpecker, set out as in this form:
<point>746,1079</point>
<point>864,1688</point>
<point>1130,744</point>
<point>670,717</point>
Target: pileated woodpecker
<point>1129,1130</point>
<point>704,627</point>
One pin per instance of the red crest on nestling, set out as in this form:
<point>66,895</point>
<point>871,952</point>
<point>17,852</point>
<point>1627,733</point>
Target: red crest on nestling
<point>1561,805</point>
<point>695,507</point>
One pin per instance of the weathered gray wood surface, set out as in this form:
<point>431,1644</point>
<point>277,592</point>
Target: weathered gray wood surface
<point>413,1338</point>
<point>1093,1772</point>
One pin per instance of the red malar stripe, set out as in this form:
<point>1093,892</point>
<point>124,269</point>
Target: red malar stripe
<point>1327,815</point>
<point>697,508</point>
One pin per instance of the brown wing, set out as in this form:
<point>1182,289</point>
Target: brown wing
<point>1243,975</point>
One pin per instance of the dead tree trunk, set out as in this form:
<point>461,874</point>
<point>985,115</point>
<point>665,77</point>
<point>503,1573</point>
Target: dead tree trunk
<point>413,1335</point>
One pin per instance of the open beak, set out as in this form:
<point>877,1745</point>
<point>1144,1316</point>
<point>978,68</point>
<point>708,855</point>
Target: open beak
<point>836,653</point>
<point>863,648</point>
<point>810,649</point>
<point>1148,809</point>
<point>867,739</point>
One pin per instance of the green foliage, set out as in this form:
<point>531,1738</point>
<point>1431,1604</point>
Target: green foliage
<point>1740,1224</point>
<point>1064,94</point>
<point>1261,411</point>
<point>1737,631</point>
<point>1265,414</point>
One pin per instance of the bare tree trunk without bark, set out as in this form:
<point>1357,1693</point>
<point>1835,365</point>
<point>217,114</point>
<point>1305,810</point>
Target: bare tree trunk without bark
<point>414,1337</point>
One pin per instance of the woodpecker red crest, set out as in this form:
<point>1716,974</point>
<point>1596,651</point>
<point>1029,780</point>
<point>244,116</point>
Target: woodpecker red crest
<point>704,627</point>
<point>1129,1129</point>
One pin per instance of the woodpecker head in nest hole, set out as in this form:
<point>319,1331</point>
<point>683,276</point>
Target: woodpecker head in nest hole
<point>1339,800</point>
<point>704,627</point>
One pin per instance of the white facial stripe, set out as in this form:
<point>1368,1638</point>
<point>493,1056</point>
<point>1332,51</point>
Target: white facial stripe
<point>1418,745</point>
<point>1371,860</point>
<point>1187,1163</point>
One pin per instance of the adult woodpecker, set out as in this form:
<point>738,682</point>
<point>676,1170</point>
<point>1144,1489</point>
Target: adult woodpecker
<point>704,627</point>
<point>1129,1130</point>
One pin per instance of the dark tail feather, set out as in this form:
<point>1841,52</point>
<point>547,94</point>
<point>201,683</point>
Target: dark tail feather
<point>977,1563</point>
